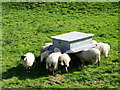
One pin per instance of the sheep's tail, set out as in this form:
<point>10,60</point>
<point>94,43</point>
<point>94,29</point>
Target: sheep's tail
<point>98,59</point>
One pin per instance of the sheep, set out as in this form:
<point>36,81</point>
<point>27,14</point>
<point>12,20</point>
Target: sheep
<point>44,55</point>
<point>104,48</point>
<point>91,55</point>
<point>45,47</point>
<point>52,60</point>
<point>28,59</point>
<point>64,60</point>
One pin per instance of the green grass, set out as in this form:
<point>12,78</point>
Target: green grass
<point>27,28</point>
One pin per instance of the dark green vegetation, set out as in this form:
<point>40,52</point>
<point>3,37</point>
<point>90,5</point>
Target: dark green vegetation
<point>27,26</point>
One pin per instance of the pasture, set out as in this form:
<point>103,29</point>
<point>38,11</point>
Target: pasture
<point>27,26</point>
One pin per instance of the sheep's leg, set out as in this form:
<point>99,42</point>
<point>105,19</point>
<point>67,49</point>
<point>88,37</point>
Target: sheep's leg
<point>55,66</point>
<point>83,63</point>
<point>105,53</point>
<point>28,69</point>
<point>53,72</point>
<point>106,56</point>
<point>99,61</point>
<point>66,69</point>
<point>47,66</point>
<point>41,59</point>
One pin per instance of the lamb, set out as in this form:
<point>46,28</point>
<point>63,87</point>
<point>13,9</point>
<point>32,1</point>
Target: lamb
<point>44,55</point>
<point>64,60</point>
<point>45,47</point>
<point>28,59</point>
<point>91,55</point>
<point>104,48</point>
<point>52,60</point>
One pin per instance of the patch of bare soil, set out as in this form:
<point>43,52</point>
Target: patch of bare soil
<point>56,80</point>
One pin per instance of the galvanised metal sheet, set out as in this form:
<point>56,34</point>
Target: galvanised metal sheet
<point>72,36</point>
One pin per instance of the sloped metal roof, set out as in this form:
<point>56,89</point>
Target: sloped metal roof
<point>72,36</point>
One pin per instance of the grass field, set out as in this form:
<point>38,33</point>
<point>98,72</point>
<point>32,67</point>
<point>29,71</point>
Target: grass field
<point>26,27</point>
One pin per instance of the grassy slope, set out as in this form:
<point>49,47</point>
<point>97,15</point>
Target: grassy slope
<point>26,30</point>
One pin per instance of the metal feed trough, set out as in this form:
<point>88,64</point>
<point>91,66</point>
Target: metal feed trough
<point>72,42</point>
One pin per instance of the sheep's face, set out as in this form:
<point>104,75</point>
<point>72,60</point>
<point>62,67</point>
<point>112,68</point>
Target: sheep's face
<point>50,67</point>
<point>23,58</point>
<point>60,61</point>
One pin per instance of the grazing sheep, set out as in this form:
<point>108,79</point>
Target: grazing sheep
<point>44,55</point>
<point>104,48</point>
<point>64,60</point>
<point>91,55</point>
<point>28,59</point>
<point>52,60</point>
<point>45,47</point>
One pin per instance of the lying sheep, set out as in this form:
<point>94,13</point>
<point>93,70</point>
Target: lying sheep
<point>89,55</point>
<point>104,48</point>
<point>64,60</point>
<point>28,59</point>
<point>44,55</point>
<point>45,47</point>
<point>52,60</point>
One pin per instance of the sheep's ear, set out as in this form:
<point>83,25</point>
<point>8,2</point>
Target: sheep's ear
<point>22,57</point>
<point>60,61</point>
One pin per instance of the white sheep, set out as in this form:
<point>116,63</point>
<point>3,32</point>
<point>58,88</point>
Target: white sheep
<point>44,55</point>
<point>52,60</point>
<point>104,48</point>
<point>91,55</point>
<point>28,59</point>
<point>64,60</point>
<point>45,47</point>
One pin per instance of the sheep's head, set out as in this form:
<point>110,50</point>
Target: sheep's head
<point>51,67</point>
<point>60,61</point>
<point>23,58</point>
